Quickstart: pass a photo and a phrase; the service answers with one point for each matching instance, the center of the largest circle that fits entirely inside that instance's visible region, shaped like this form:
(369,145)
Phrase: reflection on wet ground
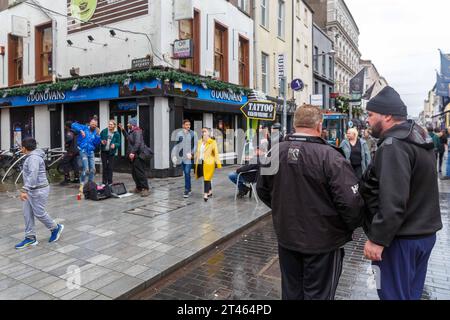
(247,268)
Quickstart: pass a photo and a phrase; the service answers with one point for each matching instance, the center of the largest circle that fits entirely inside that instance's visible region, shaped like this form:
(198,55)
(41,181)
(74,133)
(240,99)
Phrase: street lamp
(331,53)
(70,44)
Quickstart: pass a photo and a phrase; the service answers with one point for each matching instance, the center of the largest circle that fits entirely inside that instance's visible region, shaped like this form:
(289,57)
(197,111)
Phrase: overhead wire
(34,4)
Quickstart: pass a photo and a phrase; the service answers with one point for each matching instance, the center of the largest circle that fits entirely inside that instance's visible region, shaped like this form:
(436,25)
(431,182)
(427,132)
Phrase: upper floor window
(244,67)
(330,67)
(264,72)
(281,18)
(316,59)
(298,9)
(15,60)
(190,29)
(44,52)
(243,5)
(221,52)
(324,62)
(264,14)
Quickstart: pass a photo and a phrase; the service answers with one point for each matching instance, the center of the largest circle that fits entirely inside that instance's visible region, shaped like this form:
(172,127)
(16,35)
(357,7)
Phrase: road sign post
(283,86)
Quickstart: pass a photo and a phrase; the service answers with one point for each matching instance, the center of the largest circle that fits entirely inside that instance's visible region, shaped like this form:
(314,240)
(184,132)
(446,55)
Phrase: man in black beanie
(402,199)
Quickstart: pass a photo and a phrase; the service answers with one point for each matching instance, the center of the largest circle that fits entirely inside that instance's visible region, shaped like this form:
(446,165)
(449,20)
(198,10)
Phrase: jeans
(88,166)
(187,167)
(233,177)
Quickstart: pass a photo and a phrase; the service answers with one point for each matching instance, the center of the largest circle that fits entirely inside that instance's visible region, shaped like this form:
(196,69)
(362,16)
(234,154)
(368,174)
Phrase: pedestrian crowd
(383,179)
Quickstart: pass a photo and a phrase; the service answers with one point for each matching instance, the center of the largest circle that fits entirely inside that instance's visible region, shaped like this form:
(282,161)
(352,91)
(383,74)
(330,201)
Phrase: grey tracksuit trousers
(35,207)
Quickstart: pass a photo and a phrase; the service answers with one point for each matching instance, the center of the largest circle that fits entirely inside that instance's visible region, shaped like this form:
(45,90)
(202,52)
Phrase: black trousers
(309,277)
(207,184)
(139,174)
(441,158)
(107,167)
(69,162)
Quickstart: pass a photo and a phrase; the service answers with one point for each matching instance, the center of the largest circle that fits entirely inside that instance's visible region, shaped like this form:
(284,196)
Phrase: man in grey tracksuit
(34,195)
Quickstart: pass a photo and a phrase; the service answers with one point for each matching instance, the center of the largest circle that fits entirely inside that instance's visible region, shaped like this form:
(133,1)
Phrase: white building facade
(335,18)
(57,44)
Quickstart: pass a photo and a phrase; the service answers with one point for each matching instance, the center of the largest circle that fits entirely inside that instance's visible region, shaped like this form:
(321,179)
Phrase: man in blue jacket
(88,140)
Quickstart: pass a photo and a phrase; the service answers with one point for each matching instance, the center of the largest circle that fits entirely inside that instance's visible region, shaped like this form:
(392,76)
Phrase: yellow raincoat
(210,159)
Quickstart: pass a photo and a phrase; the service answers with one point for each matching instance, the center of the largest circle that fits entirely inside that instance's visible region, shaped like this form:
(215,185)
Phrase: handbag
(146,153)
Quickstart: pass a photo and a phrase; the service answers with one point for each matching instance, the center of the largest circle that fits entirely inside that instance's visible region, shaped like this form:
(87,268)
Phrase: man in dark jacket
(136,146)
(69,162)
(402,199)
(315,207)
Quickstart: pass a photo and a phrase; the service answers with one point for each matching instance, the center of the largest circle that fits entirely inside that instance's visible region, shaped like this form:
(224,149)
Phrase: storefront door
(55,128)
(122,112)
(22,124)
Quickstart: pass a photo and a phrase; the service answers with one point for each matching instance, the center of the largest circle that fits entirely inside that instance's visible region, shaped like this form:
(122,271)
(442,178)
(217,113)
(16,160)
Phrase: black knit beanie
(387,102)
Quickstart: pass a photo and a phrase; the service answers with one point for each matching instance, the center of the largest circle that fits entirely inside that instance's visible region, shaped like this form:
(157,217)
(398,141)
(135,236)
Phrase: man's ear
(319,128)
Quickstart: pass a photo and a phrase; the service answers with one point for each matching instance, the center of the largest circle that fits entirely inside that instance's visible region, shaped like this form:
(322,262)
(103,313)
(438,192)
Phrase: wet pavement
(117,247)
(246,267)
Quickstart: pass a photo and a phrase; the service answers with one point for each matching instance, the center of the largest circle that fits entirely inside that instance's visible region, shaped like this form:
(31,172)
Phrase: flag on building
(445,66)
(357,83)
(442,87)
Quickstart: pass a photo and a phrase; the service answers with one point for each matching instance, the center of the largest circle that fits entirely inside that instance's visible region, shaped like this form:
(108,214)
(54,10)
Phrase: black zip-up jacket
(249,176)
(71,144)
(400,187)
(314,195)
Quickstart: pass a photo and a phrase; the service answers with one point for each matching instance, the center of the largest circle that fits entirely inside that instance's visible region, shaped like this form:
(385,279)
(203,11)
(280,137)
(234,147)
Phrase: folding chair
(249,184)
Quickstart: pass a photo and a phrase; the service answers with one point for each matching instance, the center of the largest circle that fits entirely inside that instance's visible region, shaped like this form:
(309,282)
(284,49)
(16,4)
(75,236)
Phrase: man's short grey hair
(307,116)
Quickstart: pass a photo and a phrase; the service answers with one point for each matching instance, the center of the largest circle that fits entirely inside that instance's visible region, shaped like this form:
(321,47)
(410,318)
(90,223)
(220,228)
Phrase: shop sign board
(260,110)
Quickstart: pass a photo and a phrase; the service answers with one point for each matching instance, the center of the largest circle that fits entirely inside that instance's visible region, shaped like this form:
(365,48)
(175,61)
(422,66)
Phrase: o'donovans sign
(260,110)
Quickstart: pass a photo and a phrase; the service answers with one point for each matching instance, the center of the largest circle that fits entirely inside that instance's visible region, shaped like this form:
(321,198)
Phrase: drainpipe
(255,51)
(292,45)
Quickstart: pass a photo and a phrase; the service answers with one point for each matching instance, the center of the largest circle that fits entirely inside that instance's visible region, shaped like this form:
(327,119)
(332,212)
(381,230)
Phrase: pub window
(221,52)
(44,52)
(186,32)
(244,69)
(15,61)
(190,29)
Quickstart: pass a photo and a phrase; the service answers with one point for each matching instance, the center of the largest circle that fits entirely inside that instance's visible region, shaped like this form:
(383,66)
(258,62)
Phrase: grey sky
(402,38)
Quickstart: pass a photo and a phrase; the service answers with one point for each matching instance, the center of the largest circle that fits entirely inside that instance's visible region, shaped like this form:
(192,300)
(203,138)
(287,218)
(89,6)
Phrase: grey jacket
(365,153)
(186,143)
(34,173)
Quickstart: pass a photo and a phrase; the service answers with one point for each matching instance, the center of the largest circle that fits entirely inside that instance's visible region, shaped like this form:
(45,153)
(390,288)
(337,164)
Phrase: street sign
(297,85)
(350,124)
(316,100)
(260,110)
(183,49)
(281,63)
(146,62)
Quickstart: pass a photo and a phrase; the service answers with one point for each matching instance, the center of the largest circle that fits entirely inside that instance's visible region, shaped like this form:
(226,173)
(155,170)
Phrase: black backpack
(92,192)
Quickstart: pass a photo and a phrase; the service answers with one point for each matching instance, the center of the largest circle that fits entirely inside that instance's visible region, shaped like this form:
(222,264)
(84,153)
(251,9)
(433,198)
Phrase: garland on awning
(139,76)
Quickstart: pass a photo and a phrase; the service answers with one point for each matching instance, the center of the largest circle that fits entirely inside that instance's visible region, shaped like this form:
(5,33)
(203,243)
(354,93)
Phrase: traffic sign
(297,85)
(350,124)
(260,110)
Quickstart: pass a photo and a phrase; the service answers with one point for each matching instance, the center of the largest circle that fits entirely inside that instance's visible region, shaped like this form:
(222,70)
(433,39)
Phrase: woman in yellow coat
(206,159)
